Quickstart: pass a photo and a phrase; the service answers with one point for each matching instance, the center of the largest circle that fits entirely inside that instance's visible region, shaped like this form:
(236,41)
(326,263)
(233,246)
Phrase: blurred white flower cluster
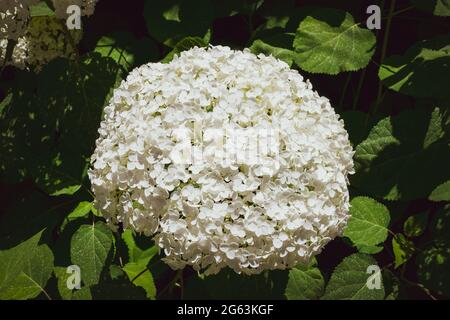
(251,214)
(44,40)
(38,39)
(14,15)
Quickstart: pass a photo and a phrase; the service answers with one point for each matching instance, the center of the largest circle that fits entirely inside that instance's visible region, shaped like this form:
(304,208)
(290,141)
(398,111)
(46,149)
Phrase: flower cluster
(44,40)
(271,213)
(14,16)
(38,39)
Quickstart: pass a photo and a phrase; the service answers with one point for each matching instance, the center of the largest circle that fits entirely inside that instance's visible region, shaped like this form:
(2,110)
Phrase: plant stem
(358,90)
(181,284)
(344,90)
(383,52)
(421,286)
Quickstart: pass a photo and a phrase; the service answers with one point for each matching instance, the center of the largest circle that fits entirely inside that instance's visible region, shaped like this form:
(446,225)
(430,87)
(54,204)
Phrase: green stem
(344,90)
(383,52)
(358,90)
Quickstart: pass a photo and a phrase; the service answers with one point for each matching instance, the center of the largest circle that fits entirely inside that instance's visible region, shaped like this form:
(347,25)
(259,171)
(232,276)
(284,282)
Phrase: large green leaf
(81,210)
(13,261)
(135,253)
(90,246)
(329,41)
(357,124)
(437,7)
(404,157)
(144,279)
(350,278)
(410,73)
(168,21)
(33,278)
(305,282)
(367,226)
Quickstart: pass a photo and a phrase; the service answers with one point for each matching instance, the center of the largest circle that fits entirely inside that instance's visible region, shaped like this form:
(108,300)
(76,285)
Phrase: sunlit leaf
(330,41)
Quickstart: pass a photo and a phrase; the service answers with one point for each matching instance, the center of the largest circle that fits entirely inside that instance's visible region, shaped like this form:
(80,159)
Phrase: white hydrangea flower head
(14,15)
(87,7)
(44,40)
(158,167)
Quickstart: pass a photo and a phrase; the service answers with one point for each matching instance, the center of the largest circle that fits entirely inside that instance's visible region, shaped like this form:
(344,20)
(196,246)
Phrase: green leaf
(141,279)
(404,157)
(14,260)
(437,7)
(369,249)
(5,102)
(350,279)
(410,73)
(391,285)
(305,282)
(358,125)
(82,209)
(68,191)
(90,246)
(279,46)
(367,226)
(415,225)
(33,278)
(169,21)
(135,253)
(116,272)
(183,45)
(441,193)
(126,50)
(329,41)
(403,249)
(41,9)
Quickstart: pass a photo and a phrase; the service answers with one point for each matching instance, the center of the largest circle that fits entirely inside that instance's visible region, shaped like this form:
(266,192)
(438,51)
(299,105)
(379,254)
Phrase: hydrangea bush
(203,149)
